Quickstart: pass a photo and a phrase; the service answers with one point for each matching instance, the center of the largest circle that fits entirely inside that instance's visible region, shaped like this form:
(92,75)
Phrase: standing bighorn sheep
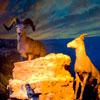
(27,47)
(84,69)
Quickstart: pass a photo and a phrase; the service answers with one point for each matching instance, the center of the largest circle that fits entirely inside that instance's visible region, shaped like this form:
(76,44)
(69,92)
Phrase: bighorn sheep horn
(82,36)
(15,20)
(28,21)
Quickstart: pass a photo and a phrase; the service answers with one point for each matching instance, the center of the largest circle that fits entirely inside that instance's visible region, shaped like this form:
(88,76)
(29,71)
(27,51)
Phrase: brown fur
(83,66)
(29,48)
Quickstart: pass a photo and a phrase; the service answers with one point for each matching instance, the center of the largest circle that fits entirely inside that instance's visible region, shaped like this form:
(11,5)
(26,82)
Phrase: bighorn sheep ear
(28,21)
(15,20)
(82,36)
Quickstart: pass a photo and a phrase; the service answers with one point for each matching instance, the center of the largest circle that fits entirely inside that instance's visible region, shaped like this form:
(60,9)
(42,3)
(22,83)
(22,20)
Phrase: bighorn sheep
(27,47)
(84,69)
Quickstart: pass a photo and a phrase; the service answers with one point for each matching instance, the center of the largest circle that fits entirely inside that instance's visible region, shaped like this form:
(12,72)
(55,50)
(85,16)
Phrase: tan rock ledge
(46,75)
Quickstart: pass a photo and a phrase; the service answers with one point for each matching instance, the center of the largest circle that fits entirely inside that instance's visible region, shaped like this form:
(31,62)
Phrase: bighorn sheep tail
(28,21)
(15,20)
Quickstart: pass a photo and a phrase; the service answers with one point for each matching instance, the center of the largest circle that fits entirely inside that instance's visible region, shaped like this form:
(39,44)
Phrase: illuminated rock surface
(46,75)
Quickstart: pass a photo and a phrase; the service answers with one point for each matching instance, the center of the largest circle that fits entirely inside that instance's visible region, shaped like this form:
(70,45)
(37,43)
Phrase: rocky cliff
(47,76)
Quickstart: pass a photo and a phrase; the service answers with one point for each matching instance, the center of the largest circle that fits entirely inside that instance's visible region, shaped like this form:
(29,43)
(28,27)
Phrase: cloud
(58,7)
(82,6)
(57,18)
(78,4)
(3,6)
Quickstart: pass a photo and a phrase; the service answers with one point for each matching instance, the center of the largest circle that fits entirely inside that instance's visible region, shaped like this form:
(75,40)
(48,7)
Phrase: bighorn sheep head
(20,25)
(77,42)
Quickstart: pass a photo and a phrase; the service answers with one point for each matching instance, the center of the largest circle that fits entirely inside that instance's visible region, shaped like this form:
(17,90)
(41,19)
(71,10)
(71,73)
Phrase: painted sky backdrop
(57,18)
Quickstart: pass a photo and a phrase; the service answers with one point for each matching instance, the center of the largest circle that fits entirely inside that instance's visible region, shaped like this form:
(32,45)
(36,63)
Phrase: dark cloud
(20,6)
(3,6)
(77,4)
(57,19)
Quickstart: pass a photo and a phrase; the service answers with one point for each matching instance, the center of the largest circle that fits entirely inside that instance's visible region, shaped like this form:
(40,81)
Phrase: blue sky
(57,18)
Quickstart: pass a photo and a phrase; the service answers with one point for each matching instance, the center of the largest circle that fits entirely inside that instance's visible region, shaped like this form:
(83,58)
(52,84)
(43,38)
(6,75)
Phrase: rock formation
(8,55)
(47,76)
